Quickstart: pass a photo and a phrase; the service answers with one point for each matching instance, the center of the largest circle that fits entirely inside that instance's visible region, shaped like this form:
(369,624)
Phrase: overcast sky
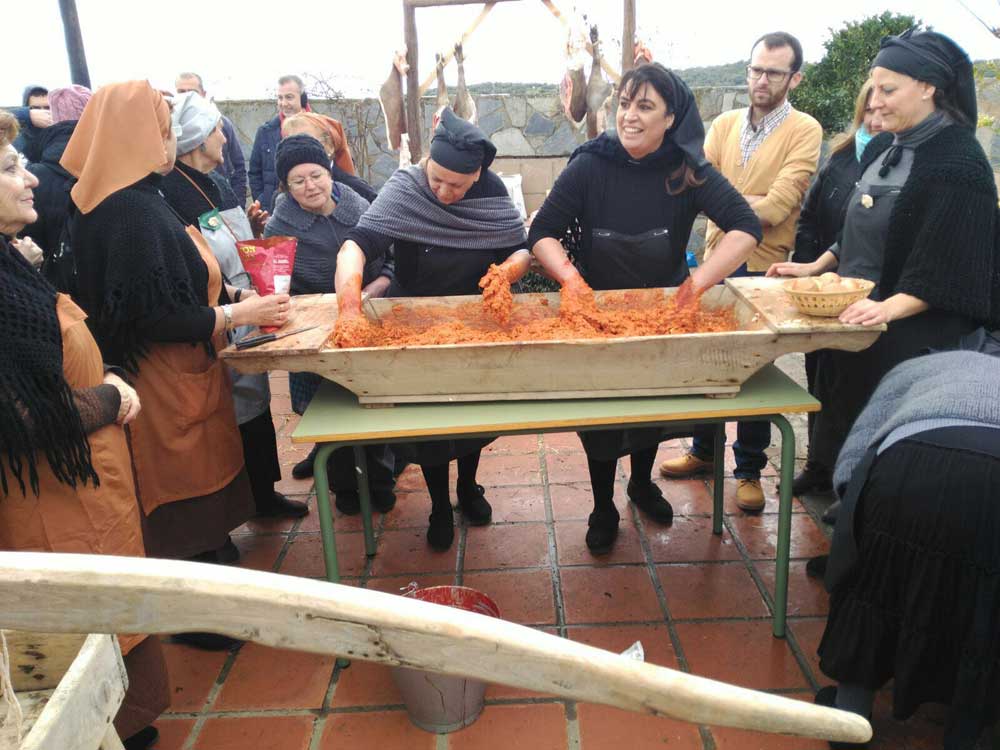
(241,50)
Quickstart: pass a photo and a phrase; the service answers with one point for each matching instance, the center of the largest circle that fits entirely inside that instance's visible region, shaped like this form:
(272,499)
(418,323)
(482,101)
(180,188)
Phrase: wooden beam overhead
(444,3)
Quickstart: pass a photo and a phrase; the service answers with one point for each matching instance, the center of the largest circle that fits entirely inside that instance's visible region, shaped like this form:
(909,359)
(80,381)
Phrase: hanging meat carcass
(573,88)
(643,54)
(390,96)
(442,100)
(465,105)
(598,90)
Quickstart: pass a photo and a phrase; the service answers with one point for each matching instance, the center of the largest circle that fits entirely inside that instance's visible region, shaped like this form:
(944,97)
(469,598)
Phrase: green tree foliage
(829,87)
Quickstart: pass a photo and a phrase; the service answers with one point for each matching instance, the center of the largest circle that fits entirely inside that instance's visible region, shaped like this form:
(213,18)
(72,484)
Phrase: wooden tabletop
(335,415)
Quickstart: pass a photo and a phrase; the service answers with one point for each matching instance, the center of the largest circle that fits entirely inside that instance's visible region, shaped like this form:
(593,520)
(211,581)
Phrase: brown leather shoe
(686,466)
(749,495)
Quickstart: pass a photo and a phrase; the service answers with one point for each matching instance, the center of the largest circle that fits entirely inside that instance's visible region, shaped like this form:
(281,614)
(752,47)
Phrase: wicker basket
(827,304)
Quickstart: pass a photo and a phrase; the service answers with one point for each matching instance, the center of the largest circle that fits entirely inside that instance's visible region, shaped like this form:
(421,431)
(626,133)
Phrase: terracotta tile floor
(695,601)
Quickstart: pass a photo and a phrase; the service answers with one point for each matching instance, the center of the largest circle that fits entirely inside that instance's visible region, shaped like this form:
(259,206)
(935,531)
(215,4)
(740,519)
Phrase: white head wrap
(197,117)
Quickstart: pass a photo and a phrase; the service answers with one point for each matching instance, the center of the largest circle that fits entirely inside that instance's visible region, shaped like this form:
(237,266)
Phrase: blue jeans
(752,437)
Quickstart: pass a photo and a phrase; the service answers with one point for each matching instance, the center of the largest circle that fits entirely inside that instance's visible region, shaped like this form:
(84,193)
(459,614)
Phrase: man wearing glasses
(769,153)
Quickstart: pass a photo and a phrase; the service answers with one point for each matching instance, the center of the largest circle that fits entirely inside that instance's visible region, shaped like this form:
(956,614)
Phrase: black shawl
(136,264)
(37,410)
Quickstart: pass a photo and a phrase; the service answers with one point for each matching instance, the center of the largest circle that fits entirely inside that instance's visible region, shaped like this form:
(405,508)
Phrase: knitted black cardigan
(942,239)
(136,264)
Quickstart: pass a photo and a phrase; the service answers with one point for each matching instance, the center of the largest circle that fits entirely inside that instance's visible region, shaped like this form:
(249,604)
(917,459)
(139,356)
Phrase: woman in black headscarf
(448,220)
(635,195)
(921,224)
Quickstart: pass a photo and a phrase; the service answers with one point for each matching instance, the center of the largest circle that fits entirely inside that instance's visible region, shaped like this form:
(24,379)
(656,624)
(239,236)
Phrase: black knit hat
(298,149)
(935,59)
(460,146)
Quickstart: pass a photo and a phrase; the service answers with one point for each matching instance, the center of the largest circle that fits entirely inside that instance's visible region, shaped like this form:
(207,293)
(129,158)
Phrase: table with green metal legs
(334,419)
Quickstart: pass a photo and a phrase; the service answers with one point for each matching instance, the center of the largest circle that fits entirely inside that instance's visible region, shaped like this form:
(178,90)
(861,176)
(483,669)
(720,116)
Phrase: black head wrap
(38,417)
(460,146)
(683,143)
(935,59)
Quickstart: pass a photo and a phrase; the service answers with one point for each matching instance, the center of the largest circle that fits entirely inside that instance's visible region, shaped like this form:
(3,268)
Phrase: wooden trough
(709,363)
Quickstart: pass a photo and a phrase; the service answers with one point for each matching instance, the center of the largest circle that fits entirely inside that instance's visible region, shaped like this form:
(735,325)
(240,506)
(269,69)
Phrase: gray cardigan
(319,240)
(958,385)
(949,387)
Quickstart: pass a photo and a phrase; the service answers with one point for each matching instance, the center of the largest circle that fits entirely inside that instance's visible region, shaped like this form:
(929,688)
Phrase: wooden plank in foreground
(93,593)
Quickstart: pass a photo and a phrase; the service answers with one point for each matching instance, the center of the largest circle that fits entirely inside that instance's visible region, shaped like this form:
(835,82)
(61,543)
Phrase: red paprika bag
(269,263)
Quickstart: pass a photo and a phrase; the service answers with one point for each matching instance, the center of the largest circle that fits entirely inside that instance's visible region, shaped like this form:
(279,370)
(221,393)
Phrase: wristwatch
(227,315)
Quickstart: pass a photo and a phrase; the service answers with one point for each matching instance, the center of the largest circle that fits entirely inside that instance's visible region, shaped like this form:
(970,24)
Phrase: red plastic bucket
(444,703)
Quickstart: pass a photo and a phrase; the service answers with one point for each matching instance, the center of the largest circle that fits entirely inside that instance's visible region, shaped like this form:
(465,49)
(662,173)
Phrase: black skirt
(922,607)
(846,380)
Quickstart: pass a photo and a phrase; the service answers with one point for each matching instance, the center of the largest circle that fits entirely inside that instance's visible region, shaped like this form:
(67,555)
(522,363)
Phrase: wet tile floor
(697,602)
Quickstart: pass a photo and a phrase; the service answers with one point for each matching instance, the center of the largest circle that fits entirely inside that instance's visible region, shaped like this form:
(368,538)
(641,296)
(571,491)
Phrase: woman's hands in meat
(272,310)
(130,406)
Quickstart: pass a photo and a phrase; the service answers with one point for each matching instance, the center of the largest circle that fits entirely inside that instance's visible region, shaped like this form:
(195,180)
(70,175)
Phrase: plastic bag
(269,263)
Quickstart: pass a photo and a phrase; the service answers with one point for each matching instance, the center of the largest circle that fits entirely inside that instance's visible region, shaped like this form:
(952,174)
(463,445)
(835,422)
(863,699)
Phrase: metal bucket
(444,703)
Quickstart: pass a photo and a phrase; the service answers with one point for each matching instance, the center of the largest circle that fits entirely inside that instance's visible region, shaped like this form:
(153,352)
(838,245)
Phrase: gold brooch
(867,201)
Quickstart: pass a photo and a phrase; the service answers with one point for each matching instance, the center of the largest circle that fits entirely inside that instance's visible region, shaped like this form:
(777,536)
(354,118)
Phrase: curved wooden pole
(450,54)
(94,593)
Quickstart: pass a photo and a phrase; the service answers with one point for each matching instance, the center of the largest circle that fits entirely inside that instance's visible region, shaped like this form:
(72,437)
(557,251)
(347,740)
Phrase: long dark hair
(662,81)
(946,101)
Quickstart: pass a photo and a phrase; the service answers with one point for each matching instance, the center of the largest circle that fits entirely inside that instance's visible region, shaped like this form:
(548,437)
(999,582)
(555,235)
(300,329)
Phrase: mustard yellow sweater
(780,170)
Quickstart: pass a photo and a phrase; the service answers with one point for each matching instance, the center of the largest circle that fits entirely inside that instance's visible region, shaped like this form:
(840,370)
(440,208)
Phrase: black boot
(816,567)
(649,499)
(281,507)
(813,479)
(475,509)
(206,641)
(304,468)
(441,529)
(349,502)
(142,740)
(827,696)
(602,531)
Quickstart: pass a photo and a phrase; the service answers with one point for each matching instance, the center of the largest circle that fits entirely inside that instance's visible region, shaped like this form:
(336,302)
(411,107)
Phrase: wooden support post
(628,36)
(74,43)
(414,113)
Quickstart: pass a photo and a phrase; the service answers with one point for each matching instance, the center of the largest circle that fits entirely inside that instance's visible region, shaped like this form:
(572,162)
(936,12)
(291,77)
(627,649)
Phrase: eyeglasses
(39,106)
(773,76)
(300,182)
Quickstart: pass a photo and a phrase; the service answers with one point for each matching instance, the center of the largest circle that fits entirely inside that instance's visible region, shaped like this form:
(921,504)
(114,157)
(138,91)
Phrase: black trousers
(260,453)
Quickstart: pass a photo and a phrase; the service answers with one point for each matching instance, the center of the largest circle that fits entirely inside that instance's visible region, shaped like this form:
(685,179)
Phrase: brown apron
(185,442)
(86,519)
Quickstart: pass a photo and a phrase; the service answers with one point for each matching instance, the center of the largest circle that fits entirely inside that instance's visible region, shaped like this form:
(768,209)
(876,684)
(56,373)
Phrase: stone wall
(524,129)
